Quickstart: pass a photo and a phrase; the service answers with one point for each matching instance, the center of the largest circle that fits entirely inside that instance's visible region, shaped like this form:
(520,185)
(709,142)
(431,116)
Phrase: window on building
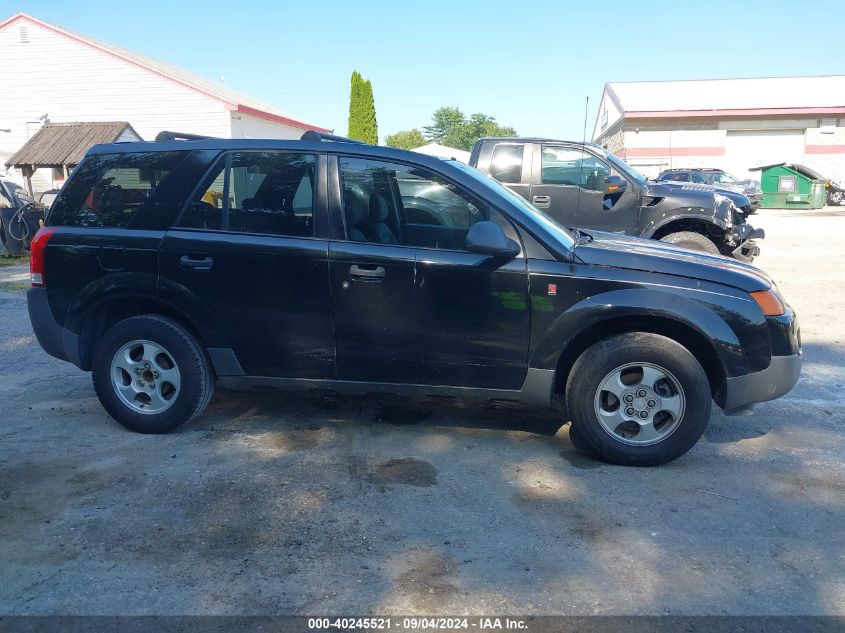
(269,193)
(827,126)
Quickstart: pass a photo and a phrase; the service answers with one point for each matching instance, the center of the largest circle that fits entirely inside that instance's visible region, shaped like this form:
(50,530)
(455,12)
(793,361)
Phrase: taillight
(36,255)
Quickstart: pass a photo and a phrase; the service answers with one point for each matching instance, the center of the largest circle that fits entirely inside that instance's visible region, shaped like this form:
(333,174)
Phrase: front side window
(575,167)
(268,193)
(109,190)
(390,203)
(506,162)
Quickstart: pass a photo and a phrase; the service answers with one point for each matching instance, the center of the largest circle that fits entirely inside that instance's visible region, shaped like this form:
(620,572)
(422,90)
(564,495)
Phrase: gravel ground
(276,503)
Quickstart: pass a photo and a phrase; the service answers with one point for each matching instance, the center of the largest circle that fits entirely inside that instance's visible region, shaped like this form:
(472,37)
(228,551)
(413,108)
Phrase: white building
(48,72)
(733,124)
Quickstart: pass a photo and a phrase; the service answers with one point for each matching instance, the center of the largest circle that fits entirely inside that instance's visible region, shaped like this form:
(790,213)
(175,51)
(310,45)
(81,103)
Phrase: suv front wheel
(638,399)
(151,375)
(692,241)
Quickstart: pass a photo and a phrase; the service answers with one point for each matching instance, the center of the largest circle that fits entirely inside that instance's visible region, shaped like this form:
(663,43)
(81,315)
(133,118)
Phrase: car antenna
(581,168)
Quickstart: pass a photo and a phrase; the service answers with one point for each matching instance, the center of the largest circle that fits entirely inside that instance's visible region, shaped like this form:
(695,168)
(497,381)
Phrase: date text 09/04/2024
(418,623)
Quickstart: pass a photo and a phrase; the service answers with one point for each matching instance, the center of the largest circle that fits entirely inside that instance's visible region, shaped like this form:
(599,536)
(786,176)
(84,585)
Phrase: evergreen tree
(362,110)
(355,115)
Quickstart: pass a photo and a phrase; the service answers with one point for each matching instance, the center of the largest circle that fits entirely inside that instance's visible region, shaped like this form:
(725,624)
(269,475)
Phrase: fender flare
(640,302)
(134,286)
(706,216)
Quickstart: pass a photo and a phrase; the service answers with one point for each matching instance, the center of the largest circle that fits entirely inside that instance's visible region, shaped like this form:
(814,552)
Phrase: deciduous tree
(406,139)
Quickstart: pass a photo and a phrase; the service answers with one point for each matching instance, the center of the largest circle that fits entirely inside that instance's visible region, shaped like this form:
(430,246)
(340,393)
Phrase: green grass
(13,261)
(13,287)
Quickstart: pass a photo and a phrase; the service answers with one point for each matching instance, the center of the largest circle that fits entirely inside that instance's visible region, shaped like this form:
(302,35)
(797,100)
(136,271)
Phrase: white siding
(245,126)
(607,115)
(70,81)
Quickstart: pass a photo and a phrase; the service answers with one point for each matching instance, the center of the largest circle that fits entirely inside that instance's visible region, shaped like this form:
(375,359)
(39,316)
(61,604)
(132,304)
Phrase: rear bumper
(773,382)
(53,338)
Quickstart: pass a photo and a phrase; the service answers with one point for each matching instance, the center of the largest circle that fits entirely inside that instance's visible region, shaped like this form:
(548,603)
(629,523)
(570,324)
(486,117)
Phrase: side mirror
(614,184)
(488,238)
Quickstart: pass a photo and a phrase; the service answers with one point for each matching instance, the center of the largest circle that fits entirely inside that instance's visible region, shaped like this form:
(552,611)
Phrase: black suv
(167,267)
(722,181)
(584,185)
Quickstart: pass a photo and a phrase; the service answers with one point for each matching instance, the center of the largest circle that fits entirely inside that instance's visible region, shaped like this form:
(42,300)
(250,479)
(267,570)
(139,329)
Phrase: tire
(677,403)
(578,441)
(145,350)
(692,241)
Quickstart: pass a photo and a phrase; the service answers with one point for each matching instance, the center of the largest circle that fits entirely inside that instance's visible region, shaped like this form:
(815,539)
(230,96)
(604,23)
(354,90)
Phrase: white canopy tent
(435,149)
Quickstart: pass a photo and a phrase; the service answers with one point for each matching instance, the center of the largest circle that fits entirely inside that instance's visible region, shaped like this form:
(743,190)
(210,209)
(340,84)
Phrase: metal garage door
(753,148)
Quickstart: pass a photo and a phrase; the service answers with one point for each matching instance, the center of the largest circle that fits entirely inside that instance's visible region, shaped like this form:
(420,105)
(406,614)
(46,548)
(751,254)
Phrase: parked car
(12,199)
(168,267)
(722,181)
(47,197)
(583,185)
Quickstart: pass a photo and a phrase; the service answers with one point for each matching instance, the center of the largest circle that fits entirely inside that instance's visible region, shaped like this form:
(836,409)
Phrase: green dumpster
(789,185)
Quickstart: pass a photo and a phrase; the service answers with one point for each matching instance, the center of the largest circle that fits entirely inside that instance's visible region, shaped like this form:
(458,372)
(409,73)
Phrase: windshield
(724,177)
(565,235)
(624,167)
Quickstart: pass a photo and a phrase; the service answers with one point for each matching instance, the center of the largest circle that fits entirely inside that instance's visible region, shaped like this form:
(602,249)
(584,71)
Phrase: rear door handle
(196,262)
(541,202)
(366,274)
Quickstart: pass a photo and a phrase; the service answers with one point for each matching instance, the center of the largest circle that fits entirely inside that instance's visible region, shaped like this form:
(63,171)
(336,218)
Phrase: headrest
(378,208)
(356,212)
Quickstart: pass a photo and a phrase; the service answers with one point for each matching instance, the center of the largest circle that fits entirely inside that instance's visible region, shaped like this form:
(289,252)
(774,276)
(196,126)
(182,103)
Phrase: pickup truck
(583,185)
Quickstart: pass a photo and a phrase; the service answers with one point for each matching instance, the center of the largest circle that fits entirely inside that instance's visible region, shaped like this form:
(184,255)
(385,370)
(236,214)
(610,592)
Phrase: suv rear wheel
(151,375)
(638,399)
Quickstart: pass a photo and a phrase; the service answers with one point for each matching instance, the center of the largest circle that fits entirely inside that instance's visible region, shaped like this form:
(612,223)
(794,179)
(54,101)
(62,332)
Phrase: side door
(411,304)
(571,183)
(250,253)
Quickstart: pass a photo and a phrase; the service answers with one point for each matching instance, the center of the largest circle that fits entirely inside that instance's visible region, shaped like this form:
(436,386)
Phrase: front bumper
(773,382)
(744,238)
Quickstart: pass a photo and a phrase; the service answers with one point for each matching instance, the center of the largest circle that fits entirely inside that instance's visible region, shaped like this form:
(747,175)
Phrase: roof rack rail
(180,136)
(313,135)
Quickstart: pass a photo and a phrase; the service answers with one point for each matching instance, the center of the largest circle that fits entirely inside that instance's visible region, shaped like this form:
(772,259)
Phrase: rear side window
(269,193)
(110,190)
(506,163)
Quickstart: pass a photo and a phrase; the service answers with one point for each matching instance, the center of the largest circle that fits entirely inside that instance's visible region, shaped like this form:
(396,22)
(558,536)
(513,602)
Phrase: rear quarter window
(111,190)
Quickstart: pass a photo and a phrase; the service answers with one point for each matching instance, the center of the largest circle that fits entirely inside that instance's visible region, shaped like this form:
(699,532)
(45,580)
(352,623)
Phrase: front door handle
(366,274)
(541,202)
(196,262)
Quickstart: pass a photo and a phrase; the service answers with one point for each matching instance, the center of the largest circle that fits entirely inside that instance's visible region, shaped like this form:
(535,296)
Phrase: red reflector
(36,255)
(552,290)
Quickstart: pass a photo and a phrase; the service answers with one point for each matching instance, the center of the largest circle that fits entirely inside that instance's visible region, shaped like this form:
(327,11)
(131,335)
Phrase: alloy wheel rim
(640,404)
(145,377)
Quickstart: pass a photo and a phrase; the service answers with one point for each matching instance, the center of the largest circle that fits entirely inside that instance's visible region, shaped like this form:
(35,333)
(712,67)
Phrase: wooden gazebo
(62,145)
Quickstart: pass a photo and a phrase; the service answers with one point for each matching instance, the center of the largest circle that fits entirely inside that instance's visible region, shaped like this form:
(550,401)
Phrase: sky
(530,64)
